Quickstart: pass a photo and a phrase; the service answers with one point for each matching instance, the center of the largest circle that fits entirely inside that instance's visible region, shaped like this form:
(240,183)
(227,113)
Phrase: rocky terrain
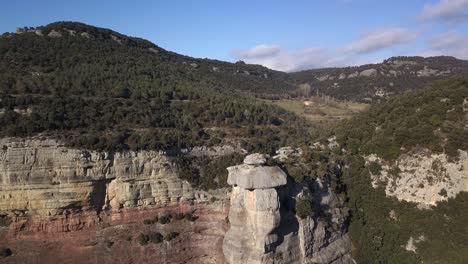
(376,82)
(62,204)
(264,228)
(424,178)
(66,203)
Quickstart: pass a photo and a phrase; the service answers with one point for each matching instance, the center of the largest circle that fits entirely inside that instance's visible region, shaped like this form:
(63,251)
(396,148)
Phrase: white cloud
(447,39)
(448,43)
(287,60)
(447,10)
(278,58)
(380,39)
(258,52)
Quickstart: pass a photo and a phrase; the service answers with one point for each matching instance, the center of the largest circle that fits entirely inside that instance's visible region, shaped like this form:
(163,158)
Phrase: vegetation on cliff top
(381,226)
(104,90)
(433,118)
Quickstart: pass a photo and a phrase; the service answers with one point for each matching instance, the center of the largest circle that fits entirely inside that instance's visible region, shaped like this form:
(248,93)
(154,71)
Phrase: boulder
(256,177)
(255,159)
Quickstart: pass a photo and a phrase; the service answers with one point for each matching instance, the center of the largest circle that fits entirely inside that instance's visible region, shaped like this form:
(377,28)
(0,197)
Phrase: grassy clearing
(319,109)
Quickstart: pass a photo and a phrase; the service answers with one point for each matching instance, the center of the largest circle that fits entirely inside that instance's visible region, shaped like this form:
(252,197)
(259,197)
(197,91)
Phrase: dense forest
(432,118)
(98,89)
(380,81)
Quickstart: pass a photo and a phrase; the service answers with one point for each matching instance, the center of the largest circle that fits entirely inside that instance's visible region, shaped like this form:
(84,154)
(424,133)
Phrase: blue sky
(284,35)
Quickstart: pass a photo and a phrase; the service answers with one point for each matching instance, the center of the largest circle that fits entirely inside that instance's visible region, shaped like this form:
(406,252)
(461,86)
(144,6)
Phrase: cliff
(263,224)
(65,204)
(70,205)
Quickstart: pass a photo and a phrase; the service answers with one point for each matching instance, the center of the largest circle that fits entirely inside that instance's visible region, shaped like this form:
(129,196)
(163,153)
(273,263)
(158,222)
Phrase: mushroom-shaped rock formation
(254,212)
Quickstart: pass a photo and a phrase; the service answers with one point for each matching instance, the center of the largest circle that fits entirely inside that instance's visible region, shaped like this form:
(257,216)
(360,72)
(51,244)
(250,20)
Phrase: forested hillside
(383,229)
(99,89)
(378,82)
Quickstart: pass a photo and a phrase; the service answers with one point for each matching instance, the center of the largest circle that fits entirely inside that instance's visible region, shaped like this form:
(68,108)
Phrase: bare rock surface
(264,228)
(424,178)
(255,159)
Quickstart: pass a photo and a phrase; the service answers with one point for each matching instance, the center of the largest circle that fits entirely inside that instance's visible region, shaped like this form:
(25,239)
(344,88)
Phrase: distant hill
(405,176)
(374,82)
(99,89)
(75,37)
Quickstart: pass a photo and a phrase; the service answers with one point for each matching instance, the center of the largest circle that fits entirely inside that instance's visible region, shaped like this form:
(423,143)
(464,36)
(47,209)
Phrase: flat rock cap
(256,177)
(255,159)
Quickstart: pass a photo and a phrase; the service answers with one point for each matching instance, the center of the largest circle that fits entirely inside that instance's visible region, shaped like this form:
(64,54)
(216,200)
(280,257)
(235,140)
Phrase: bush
(170,236)
(165,219)
(154,238)
(190,217)
(303,207)
(5,252)
(375,168)
(5,220)
(151,221)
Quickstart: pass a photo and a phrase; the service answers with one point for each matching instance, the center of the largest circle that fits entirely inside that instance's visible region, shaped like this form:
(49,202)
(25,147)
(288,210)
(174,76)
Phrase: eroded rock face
(42,177)
(265,229)
(254,212)
(77,206)
(424,178)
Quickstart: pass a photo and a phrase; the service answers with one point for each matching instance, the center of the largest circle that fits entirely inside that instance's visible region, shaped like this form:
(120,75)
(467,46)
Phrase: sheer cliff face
(263,225)
(41,177)
(78,206)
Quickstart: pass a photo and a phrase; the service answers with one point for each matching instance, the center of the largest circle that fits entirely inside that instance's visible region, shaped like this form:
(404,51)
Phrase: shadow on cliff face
(288,224)
(97,198)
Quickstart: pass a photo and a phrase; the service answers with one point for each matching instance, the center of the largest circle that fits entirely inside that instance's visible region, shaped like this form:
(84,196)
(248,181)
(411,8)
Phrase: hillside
(406,176)
(375,82)
(96,88)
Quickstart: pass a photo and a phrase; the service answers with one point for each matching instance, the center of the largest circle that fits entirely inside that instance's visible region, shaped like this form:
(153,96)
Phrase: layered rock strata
(264,227)
(78,206)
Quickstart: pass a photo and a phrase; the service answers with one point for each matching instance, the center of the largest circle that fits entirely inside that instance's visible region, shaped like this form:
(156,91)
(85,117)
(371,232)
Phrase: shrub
(375,168)
(151,221)
(179,216)
(190,217)
(5,252)
(170,236)
(165,219)
(5,220)
(303,207)
(154,238)
(443,192)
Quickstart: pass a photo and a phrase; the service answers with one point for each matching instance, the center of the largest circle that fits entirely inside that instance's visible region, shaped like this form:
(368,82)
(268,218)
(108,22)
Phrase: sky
(283,35)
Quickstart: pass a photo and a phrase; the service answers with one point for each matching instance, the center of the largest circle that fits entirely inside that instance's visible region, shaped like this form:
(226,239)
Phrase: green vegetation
(170,236)
(392,75)
(154,237)
(166,218)
(432,118)
(303,207)
(5,220)
(5,252)
(207,173)
(98,93)
(320,110)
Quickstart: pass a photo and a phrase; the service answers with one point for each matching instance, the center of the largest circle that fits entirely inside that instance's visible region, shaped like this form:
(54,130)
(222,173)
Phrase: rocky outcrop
(66,205)
(254,212)
(45,178)
(424,178)
(264,227)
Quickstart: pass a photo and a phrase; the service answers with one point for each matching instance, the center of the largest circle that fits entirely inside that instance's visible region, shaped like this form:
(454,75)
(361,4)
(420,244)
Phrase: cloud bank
(364,48)
(453,11)
(380,39)
(278,58)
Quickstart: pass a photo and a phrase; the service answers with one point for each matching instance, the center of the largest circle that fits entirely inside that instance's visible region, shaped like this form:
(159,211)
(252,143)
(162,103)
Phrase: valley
(115,150)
